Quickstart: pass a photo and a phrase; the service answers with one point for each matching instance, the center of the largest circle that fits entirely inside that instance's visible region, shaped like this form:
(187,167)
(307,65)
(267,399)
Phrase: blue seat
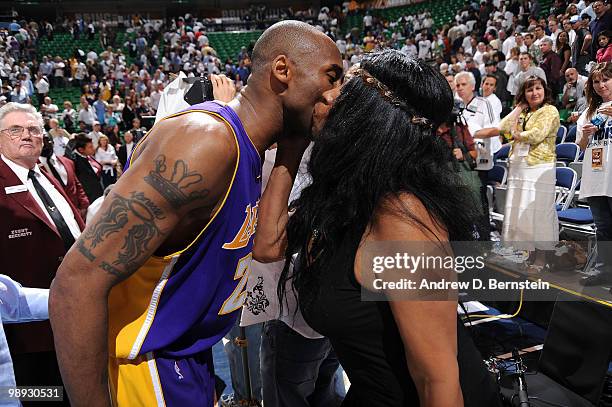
(565,187)
(571,135)
(561,133)
(580,216)
(566,177)
(502,153)
(567,152)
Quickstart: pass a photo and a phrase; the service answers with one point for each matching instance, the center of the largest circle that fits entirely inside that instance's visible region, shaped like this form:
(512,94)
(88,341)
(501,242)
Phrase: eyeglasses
(15,132)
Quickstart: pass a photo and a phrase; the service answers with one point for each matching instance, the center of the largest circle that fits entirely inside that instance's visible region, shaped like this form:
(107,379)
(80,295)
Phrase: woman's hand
(223,88)
(607,110)
(588,130)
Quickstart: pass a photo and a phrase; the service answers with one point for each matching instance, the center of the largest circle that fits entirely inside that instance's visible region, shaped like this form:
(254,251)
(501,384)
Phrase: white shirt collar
(20,171)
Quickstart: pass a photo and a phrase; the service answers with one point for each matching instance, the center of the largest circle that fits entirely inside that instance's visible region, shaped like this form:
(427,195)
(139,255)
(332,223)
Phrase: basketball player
(157,277)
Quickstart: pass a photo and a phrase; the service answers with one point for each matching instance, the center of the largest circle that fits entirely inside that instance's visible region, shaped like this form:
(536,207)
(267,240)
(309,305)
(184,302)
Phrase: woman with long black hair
(379,174)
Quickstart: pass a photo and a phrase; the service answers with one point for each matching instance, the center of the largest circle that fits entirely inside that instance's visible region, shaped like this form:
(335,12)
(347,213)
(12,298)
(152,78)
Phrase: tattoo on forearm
(85,251)
(144,214)
(173,186)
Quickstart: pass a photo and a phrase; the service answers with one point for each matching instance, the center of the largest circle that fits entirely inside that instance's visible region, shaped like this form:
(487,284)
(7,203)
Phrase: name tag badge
(15,189)
(522,149)
(597,159)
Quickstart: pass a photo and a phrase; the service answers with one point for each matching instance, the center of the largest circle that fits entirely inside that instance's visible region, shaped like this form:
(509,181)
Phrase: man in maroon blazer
(62,169)
(38,224)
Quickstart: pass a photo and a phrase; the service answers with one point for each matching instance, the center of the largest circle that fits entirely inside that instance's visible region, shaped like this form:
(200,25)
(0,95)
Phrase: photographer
(463,154)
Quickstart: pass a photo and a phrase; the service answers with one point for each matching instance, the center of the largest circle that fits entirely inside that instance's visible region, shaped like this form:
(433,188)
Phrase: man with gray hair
(484,127)
(35,213)
(551,65)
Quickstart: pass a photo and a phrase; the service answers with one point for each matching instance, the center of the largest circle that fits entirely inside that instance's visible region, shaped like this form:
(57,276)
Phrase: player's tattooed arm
(140,216)
(178,185)
(185,171)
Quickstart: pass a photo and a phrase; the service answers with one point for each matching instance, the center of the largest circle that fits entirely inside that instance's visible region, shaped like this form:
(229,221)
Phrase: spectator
(42,87)
(58,72)
(480,119)
(63,171)
(604,53)
(137,130)
(95,134)
(530,216)
(581,47)
(86,113)
(564,51)
(19,94)
(526,69)
(48,109)
(409,48)
(574,91)
(501,80)
(69,116)
(489,85)
(602,22)
(105,155)
(99,107)
(43,210)
(125,151)
(598,192)
(88,170)
(60,137)
(551,65)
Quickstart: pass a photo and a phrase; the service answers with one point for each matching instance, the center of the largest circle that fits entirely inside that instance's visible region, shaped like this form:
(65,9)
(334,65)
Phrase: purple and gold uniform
(165,318)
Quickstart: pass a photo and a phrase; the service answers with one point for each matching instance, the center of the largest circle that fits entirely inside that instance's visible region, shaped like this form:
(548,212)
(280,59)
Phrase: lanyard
(526,119)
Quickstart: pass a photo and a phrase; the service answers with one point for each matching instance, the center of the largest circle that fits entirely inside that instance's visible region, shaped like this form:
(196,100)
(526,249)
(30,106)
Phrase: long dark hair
(369,149)
(602,70)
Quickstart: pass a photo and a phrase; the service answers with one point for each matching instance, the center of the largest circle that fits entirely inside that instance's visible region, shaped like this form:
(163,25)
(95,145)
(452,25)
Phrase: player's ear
(281,69)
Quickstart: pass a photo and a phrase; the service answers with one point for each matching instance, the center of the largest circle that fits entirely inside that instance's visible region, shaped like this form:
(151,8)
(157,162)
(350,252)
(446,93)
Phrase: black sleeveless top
(370,349)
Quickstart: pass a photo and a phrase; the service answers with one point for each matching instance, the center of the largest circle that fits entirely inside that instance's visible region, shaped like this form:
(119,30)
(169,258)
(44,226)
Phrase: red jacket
(73,188)
(31,250)
(604,54)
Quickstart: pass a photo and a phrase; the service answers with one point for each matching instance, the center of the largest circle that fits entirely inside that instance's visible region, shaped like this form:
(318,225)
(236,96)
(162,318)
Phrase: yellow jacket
(540,132)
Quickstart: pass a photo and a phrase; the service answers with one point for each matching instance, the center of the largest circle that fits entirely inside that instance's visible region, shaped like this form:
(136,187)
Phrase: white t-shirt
(424,48)
(479,115)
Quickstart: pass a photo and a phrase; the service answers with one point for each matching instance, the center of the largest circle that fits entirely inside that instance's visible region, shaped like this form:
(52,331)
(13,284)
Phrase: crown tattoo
(173,187)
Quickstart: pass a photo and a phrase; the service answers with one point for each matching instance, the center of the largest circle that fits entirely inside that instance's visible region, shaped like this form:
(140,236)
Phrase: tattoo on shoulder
(144,214)
(172,184)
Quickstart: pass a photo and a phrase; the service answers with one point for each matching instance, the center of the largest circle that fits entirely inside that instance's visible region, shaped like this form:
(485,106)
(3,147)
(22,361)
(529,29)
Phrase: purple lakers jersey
(183,303)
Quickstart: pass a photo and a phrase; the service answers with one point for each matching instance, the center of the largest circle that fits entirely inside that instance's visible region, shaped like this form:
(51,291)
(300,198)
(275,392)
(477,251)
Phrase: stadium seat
(570,137)
(567,180)
(567,152)
(561,133)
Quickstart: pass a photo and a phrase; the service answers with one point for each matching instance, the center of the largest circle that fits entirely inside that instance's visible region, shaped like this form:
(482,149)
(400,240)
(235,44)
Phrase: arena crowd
(518,73)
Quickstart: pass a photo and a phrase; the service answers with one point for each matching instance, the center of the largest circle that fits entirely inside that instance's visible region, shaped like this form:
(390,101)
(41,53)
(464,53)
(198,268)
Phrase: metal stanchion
(242,342)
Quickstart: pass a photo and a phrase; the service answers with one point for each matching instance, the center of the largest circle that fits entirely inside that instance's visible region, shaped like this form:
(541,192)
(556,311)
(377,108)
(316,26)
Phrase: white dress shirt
(59,167)
(62,205)
(129,147)
(17,304)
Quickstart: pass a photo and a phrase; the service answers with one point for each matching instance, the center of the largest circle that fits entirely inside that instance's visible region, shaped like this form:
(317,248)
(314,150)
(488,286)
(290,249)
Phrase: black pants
(601,207)
(484,226)
(38,369)
(297,371)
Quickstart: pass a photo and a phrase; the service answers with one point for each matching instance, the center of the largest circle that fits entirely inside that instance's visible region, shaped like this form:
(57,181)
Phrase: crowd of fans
(499,43)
